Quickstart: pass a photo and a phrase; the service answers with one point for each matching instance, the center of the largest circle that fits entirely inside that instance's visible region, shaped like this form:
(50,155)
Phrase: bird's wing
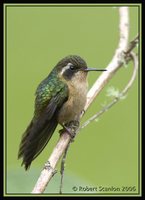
(49,98)
(50,95)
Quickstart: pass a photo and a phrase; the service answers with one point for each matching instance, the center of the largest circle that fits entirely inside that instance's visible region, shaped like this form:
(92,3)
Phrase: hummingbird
(60,99)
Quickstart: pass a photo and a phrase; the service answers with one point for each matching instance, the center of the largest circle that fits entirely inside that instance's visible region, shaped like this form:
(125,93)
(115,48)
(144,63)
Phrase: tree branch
(113,66)
(117,60)
(120,95)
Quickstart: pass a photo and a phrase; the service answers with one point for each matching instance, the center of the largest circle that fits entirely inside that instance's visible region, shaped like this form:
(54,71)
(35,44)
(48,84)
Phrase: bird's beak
(92,69)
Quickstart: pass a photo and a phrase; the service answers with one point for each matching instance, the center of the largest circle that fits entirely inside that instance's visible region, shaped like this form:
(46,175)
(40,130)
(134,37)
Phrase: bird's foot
(70,128)
(68,131)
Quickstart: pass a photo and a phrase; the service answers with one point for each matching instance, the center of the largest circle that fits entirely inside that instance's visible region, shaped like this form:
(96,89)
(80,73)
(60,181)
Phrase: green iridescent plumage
(49,88)
(50,95)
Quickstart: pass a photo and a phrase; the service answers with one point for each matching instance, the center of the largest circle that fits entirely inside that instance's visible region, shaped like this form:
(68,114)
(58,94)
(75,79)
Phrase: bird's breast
(73,107)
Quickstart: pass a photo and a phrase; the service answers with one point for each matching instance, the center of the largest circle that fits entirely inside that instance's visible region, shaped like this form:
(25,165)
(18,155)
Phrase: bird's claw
(70,128)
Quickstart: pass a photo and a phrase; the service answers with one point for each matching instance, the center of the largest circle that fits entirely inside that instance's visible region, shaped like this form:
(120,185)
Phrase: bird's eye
(72,67)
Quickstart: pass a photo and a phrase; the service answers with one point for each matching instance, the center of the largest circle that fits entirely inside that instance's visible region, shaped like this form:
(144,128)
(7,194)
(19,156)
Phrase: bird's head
(74,66)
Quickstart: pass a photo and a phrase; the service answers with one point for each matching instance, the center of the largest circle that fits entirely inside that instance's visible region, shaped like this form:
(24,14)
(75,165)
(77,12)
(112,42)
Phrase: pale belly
(73,107)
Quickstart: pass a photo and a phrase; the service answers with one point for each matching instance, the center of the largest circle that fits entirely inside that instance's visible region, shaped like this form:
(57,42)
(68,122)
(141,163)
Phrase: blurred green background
(105,153)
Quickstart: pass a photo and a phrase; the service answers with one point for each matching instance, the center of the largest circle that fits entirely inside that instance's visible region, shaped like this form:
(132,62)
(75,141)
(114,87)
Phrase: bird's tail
(34,141)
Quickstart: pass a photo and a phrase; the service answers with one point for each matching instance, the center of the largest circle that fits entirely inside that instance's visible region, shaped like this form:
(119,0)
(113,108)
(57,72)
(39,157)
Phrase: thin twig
(132,44)
(62,168)
(114,65)
(119,96)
